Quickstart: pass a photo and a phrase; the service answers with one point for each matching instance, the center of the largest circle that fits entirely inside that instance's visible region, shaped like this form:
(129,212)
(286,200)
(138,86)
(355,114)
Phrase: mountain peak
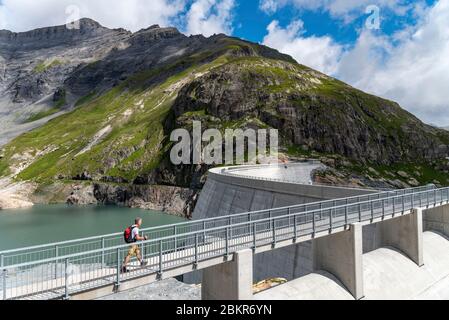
(89,23)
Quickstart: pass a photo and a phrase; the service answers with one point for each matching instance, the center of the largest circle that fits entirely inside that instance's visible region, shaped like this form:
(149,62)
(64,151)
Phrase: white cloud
(320,53)
(22,15)
(193,16)
(410,66)
(414,71)
(210,17)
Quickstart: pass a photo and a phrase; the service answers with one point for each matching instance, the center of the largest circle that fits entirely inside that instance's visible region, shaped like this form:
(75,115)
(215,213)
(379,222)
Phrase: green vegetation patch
(47,65)
(118,134)
(42,114)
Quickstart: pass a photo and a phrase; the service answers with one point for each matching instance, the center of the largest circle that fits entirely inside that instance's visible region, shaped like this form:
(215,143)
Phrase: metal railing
(60,277)
(64,248)
(236,172)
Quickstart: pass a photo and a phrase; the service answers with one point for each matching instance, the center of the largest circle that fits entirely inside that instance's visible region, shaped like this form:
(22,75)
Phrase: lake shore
(15,195)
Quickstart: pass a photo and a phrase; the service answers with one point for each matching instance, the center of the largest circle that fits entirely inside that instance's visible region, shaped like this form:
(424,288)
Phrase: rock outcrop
(126,92)
(174,200)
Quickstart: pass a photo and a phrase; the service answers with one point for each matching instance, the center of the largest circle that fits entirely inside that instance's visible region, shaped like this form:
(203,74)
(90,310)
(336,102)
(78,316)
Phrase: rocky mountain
(102,104)
(34,66)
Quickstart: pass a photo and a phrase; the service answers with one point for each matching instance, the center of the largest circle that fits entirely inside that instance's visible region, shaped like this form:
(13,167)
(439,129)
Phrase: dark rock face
(234,84)
(35,64)
(178,201)
(91,59)
(353,124)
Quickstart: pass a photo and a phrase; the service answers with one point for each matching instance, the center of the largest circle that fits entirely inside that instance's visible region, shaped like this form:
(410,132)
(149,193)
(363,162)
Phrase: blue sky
(404,59)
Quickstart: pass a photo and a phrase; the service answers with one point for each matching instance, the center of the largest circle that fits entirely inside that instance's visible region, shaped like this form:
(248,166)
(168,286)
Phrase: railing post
(321,210)
(117,281)
(254,237)
(360,212)
(142,250)
(196,250)
(372,210)
(102,250)
(331,220)
(5,275)
(295,226)
(346,216)
(413,200)
(161,257)
(204,231)
(2,261)
(403,204)
(314,224)
(394,207)
(273,222)
(175,233)
(383,209)
(66,275)
(227,242)
(56,261)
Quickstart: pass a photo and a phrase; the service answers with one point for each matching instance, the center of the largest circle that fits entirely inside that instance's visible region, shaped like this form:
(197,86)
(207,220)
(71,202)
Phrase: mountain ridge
(121,101)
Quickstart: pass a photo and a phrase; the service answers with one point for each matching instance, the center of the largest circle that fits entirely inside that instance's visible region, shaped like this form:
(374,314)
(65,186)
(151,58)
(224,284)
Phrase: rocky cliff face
(34,66)
(115,97)
(174,200)
(312,111)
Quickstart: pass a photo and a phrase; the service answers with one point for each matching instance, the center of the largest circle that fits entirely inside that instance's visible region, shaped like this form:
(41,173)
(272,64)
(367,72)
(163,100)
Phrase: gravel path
(169,289)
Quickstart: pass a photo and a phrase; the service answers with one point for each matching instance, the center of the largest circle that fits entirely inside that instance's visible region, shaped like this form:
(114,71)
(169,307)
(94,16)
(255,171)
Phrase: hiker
(132,236)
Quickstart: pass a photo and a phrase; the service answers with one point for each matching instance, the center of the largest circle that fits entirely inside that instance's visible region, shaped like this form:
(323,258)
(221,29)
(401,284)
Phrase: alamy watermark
(373,21)
(73,13)
(236,147)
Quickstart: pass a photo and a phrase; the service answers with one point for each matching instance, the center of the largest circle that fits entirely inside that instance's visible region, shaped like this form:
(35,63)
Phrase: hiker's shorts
(134,251)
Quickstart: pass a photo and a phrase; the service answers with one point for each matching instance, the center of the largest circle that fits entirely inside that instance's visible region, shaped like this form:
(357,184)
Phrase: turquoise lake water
(52,223)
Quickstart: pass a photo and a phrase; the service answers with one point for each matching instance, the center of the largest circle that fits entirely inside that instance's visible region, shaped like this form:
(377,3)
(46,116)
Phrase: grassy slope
(135,142)
(136,113)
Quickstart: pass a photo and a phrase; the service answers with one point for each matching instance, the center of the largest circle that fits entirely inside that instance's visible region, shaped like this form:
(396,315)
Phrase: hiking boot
(144,263)
(124,270)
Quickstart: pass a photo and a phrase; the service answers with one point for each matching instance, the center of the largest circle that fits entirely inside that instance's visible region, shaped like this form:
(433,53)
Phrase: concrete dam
(257,222)
(390,274)
(236,190)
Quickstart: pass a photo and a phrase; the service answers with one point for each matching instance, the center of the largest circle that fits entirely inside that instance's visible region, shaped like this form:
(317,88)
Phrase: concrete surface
(437,219)
(387,273)
(301,173)
(405,233)
(319,285)
(241,189)
(341,255)
(230,281)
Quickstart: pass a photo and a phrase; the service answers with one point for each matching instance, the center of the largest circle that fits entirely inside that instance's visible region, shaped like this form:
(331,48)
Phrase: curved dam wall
(250,188)
(388,275)
(244,189)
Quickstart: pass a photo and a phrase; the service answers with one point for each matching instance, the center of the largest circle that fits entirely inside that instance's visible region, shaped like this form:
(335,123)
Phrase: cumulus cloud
(22,15)
(210,17)
(320,53)
(192,16)
(409,66)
